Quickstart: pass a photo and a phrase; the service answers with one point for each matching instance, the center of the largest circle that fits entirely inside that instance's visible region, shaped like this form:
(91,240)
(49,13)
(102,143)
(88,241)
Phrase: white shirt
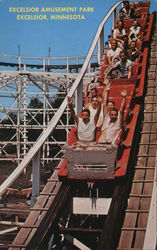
(106,121)
(116,33)
(134,32)
(93,113)
(126,13)
(112,53)
(112,130)
(124,66)
(86,131)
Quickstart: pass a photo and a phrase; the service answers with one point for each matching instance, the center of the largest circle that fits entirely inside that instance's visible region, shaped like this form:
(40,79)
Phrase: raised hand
(75,117)
(123,93)
(88,82)
(106,80)
(108,86)
(99,98)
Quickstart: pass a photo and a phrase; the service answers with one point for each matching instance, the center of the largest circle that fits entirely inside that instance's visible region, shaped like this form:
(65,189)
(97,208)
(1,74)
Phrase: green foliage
(35,103)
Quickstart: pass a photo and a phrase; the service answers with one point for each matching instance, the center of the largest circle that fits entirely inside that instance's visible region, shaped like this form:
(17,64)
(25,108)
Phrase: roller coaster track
(135,224)
(124,226)
(36,148)
(136,191)
(134,231)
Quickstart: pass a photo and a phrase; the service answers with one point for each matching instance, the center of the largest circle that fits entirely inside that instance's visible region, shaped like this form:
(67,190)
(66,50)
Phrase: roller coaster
(99,197)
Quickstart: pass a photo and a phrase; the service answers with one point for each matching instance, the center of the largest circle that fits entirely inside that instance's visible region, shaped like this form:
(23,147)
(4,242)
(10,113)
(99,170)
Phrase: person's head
(121,17)
(94,102)
(110,105)
(125,39)
(126,4)
(116,59)
(94,92)
(113,115)
(114,44)
(133,5)
(123,56)
(120,25)
(126,42)
(135,23)
(85,115)
(133,45)
(138,13)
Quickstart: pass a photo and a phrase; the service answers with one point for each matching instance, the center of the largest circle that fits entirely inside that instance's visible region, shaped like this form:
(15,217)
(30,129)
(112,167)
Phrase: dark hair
(114,40)
(94,97)
(123,52)
(113,102)
(133,41)
(120,21)
(94,88)
(86,110)
(115,110)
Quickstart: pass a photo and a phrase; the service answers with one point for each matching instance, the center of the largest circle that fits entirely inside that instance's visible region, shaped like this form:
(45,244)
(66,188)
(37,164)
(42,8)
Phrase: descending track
(135,223)
(52,221)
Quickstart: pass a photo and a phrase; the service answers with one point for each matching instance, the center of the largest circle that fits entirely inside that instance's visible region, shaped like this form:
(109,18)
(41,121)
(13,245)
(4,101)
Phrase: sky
(64,38)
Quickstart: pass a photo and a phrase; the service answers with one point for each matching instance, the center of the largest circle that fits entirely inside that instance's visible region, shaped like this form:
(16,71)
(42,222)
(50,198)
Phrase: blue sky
(35,37)
(65,38)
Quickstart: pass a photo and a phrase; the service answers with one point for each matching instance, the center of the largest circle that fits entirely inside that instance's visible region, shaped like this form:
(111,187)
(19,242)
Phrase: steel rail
(39,66)
(34,150)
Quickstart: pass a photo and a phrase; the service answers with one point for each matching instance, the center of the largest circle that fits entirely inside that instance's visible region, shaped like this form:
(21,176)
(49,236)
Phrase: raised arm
(122,108)
(129,72)
(109,58)
(86,92)
(118,38)
(96,117)
(72,111)
(113,67)
(105,96)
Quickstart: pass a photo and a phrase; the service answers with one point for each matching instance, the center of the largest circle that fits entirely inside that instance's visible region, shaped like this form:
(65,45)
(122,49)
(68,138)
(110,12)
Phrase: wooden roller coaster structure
(80,211)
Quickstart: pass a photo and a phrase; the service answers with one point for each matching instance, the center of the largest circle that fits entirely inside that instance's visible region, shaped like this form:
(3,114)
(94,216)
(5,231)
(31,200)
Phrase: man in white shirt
(135,32)
(127,12)
(86,126)
(93,92)
(118,34)
(92,106)
(114,51)
(124,66)
(113,125)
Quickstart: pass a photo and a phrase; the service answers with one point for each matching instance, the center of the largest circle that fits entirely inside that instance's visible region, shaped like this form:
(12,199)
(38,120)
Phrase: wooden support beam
(76,242)
(36,178)
(9,230)
(66,230)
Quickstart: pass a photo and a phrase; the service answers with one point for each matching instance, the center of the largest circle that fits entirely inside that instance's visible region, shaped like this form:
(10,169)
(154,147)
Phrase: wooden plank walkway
(135,222)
